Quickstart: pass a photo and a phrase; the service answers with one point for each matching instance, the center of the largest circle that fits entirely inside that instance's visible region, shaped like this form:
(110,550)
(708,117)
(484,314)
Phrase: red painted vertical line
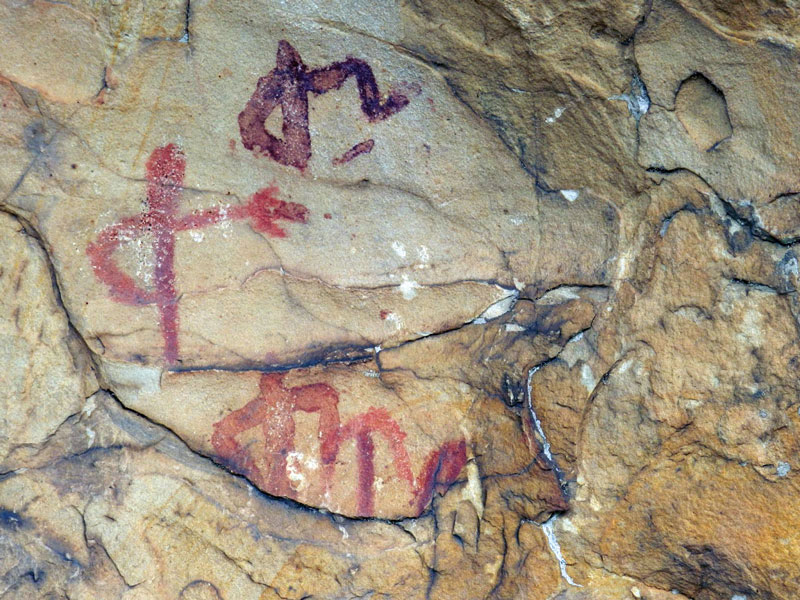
(164,171)
(366,473)
(324,400)
(165,292)
(380,421)
(278,429)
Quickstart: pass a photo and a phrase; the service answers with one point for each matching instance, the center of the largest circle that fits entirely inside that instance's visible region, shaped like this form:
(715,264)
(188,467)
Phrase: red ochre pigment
(364,147)
(273,409)
(288,86)
(164,171)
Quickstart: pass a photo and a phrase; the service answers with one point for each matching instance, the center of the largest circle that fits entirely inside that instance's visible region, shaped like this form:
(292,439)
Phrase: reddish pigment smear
(164,171)
(288,85)
(385,313)
(364,147)
(440,470)
(273,411)
(361,428)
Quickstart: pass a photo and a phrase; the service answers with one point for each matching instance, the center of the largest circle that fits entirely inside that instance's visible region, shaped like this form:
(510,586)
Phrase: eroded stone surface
(45,374)
(399,300)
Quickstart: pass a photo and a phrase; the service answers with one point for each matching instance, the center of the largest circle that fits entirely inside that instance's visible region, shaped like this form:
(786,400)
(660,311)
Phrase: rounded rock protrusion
(703,111)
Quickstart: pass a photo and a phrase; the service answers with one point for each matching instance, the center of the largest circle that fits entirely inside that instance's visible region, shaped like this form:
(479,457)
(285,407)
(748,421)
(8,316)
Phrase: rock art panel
(348,437)
(490,300)
(383,245)
(273,411)
(333,438)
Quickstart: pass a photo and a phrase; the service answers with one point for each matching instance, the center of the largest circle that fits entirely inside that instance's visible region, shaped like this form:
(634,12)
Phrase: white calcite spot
(587,377)
(570,195)
(399,249)
(294,460)
(134,378)
(537,423)
(576,349)
(90,435)
(225,224)
(145,259)
(395,320)
(556,115)
(568,525)
(409,288)
(622,267)
(638,100)
(89,406)
(751,328)
(558,296)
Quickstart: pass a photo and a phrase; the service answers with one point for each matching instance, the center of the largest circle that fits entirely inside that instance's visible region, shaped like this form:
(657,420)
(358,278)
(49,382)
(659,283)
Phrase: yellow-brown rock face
(399,299)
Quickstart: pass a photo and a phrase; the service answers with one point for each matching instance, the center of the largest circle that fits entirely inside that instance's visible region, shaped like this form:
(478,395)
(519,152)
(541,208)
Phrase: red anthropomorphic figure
(273,411)
(164,171)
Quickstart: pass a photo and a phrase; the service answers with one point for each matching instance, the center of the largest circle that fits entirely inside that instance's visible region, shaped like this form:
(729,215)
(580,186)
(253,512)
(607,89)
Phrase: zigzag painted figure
(273,411)
(288,85)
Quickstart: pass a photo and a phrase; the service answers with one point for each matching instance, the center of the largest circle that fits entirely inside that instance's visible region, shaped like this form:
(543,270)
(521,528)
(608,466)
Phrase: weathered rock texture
(399,299)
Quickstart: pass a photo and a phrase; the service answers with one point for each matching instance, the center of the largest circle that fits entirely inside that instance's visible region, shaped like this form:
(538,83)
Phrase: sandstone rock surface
(399,299)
